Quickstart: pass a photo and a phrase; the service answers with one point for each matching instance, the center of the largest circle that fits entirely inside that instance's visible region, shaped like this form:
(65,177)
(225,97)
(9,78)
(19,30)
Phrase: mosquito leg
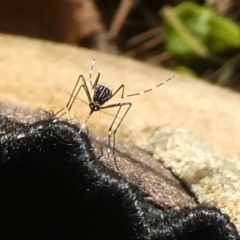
(119,105)
(148,90)
(91,70)
(93,85)
(96,81)
(129,105)
(110,132)
(85,87)
(122,87)
(71,100)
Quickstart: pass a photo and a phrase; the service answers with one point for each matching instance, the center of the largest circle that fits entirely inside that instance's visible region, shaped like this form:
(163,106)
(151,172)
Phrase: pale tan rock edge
(38,74)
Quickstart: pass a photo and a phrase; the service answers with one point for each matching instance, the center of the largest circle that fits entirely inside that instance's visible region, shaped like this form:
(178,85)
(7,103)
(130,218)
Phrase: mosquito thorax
(102,94)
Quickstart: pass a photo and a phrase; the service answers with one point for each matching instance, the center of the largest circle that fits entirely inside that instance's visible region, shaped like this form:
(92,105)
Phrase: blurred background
(198,38)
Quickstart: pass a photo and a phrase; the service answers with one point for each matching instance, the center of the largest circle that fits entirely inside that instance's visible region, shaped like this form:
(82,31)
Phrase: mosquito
(101,94)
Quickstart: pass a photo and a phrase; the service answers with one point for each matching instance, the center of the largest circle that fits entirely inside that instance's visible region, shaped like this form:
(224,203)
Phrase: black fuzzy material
(53,187)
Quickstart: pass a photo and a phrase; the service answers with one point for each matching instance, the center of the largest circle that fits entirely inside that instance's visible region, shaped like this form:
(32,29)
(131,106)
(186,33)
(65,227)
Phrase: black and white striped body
(102,94)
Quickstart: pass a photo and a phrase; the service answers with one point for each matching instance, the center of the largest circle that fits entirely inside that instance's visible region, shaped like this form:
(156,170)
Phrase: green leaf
(196,30)
(185,70)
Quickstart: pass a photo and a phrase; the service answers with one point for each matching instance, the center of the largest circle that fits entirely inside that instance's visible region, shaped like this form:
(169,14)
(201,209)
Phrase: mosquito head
(94,106)
(102,94)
